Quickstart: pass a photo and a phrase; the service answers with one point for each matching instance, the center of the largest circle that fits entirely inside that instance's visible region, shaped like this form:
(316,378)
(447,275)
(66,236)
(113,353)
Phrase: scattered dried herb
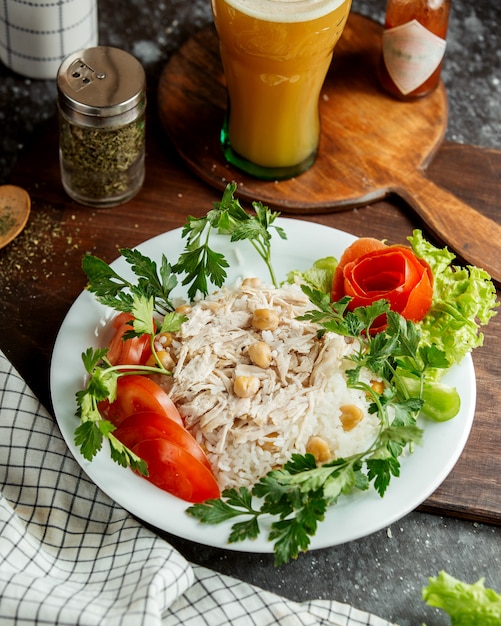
(27,257)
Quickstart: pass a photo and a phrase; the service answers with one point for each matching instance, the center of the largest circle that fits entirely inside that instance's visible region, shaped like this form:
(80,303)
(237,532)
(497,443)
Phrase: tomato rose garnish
(370,270)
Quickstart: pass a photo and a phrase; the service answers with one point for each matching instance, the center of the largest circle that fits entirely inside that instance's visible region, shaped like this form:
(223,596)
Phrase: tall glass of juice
(275,56)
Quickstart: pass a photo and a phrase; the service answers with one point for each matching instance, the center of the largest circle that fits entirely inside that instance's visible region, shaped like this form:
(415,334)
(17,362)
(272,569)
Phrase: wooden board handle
(475,238)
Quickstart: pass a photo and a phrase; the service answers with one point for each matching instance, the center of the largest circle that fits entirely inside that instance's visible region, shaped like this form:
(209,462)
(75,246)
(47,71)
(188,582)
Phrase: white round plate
(355,516)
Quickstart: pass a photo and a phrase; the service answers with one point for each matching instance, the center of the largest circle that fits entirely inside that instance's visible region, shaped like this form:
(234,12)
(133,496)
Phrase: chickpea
(183,309)
(265,319)
(164,339)
(269,444)
(253,282)
(165,358)
(260,354)
(319,448)
(377,386)
(350,416)
(246,386)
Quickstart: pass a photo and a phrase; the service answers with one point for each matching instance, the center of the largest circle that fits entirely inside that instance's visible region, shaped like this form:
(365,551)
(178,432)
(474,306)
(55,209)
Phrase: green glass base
(258,171)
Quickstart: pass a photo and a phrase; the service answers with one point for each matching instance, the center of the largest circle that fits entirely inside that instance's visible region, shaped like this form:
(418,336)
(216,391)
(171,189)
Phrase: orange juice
(275,55)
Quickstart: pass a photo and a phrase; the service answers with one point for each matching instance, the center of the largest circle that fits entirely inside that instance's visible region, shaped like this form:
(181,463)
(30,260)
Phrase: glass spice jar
(413,46)
(102,101)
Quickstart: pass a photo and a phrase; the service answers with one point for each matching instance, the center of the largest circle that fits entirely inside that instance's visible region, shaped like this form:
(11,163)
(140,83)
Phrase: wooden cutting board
(368,139)
(371,144)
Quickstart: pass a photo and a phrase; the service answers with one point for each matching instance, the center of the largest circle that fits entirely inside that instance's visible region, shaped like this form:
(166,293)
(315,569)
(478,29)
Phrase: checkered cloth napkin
(70,556)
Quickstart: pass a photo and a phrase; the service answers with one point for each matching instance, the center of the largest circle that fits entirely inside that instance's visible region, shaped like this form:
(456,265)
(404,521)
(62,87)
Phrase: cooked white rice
(299,395)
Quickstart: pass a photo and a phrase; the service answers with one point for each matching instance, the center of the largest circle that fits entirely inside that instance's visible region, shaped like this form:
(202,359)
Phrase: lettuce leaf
(319,275)
(467,605)
(464,299)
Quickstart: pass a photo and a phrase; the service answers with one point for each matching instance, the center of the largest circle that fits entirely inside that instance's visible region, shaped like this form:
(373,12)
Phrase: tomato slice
(149,425)
(175,470)
(135,351)
(137,393)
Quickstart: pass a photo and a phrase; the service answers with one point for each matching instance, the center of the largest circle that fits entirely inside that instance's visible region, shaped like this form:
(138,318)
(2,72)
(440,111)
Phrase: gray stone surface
(382,573)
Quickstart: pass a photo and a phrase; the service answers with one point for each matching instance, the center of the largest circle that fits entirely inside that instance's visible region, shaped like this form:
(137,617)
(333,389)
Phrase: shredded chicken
(294,398)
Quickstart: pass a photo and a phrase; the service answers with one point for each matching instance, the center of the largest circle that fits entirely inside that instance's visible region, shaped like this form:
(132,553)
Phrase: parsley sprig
(148,302)
(92,431)
(102,385)
(148,298)
(199,262)
(153,282)
(298,495)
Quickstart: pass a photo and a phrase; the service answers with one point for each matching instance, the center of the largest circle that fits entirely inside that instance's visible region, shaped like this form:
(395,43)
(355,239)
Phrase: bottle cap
(101,83)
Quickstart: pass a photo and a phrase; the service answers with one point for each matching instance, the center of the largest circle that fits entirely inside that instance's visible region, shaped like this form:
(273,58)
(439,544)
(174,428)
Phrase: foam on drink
(285,10)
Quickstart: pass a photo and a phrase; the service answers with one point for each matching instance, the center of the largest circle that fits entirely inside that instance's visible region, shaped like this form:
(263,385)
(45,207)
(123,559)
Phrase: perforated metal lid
(100,82)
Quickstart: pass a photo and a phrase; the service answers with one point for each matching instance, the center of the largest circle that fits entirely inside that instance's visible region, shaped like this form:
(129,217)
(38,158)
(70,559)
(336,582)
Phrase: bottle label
(411,54)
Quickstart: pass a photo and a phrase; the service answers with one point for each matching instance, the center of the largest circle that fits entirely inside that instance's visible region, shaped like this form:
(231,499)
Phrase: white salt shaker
(36,36)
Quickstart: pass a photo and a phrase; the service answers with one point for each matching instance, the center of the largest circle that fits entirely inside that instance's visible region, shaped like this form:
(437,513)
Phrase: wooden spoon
(15,206)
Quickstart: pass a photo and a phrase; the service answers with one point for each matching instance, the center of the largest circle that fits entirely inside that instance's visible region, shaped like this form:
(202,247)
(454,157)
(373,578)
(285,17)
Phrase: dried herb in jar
(102,126)
(102,163)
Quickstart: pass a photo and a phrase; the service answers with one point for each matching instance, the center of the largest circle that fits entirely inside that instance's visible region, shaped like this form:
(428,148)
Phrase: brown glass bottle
(413,47)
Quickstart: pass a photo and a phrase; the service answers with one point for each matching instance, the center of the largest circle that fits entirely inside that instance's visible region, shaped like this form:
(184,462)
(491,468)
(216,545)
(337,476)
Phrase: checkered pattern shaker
(36,35)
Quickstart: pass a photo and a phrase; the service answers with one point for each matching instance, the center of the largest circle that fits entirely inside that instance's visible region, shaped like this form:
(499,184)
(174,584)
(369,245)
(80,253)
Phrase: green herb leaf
(125,457)
(381,471)
(142,310)
(102,385)
(121,294)
(201,264)
(237,502)
(240,531)
(108,287)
